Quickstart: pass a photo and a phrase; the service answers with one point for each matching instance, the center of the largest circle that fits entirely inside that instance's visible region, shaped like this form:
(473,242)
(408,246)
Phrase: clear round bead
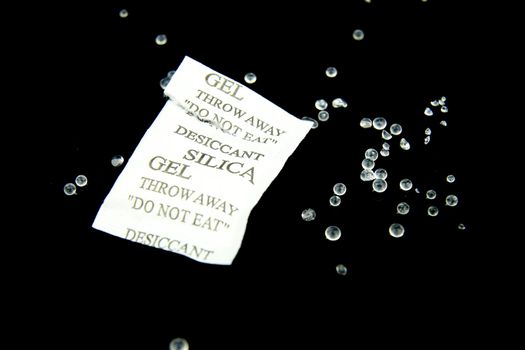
(380,173)
(403,208)
(323,116)
(123,13)
(367,175)
(431,194)
(451,200)
(396,129)
(250,78)
(321,104)
(161,39)
(179,344)
(335,201)
(358,34)
(396,230)
(368,163)
(405,184)
(379,123)
(432,210)
(331,72)
(339,189)
(332,233)
(81,180)
(371,154)
(117,161)
(379,185)
(70,189)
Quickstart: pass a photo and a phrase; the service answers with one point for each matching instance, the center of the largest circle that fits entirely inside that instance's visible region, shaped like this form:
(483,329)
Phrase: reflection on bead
(117,161)
(81,180)
(161,39)
(250,78)
(70,189)
(332,233)
(331,72)
(396,230)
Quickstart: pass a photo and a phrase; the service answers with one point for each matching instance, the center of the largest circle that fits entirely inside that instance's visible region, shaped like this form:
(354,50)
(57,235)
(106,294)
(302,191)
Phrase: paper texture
(201,167)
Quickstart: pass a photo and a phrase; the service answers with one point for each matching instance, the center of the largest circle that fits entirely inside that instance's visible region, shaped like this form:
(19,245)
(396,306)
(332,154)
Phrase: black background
(93,290)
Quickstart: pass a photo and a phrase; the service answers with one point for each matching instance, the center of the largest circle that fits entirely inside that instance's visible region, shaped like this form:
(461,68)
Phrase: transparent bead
(179,344)
(384,152)
(428,111)
(161,39)
(431,194)
(451,178)
(416,190)
(70,189)
(428,131)
(341,269)
(365,123)
(395,129)
(396,230)
(380,173)
(170,74)
(335,201)
(404,144)
(164,82)
(358,34)
(441,102)
(405,184)
(81,180)
(426,141)
(435,103)
(308,214)
(339,188)
(367,175)
(443,98)
(332,233)
(371,154)
(443,123)
(250,78)
(379,123)
(444,109)
(321,104)
(123,13)
(117,161)
(339,102)
(403,208)
(315,122)
(451,200)
(323,116)
(386,135)
(368,163)
(432,211)
(379,185)
(386,146)
(461,227)
(331,72)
